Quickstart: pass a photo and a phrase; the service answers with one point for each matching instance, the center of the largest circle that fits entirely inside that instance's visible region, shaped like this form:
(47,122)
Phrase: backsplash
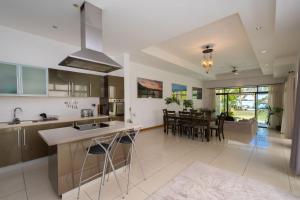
(33,106)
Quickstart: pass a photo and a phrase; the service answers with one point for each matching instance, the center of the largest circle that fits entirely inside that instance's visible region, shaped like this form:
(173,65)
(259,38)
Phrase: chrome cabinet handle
(19,144)
(90,89)
(72,93)
(69,88)
(24,134)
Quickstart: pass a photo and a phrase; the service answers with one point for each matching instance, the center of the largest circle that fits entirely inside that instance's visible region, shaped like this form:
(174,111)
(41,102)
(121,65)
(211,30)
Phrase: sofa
(245,126)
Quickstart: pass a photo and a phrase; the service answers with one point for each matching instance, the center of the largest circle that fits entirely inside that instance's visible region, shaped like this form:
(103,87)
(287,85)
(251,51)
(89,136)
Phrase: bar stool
(129,138)
(102,145)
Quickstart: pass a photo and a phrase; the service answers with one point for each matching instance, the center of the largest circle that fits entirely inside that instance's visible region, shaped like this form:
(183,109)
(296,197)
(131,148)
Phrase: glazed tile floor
(264,157)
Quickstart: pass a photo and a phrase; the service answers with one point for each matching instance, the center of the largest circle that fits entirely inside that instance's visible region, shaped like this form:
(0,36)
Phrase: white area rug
(200,181)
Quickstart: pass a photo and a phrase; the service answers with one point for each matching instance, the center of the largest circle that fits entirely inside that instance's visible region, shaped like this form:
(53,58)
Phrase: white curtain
(209,99)
(288,106)
(276,101)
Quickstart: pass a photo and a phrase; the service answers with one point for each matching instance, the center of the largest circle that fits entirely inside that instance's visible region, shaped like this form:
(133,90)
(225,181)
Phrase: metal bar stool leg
(129,168)
(138,160)
(116,177)
(102,177)
(81,173)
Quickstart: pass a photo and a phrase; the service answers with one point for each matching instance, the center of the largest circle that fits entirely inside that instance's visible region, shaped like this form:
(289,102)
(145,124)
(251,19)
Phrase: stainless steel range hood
(90,56)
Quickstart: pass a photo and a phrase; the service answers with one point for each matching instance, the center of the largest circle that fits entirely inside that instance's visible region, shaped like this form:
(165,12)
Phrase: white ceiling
(231,45)
(135,25)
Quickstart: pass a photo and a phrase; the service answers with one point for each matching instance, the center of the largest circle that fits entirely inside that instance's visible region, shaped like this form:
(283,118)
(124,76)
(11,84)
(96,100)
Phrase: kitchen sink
(19,122)
(85,127)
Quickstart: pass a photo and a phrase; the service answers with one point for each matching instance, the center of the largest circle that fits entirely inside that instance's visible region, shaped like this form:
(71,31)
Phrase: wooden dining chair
(165,119)
(219,127)
(184,122)
(201,128)
(170,121)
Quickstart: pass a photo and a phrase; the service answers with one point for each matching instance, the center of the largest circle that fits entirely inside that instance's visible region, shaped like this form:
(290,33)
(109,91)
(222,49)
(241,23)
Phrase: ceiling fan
(234,70)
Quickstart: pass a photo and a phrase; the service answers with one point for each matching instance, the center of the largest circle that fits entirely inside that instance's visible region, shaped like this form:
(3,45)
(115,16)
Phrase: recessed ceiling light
(267,65)
(264,51)
(54,27)
(75,5)
(258,28)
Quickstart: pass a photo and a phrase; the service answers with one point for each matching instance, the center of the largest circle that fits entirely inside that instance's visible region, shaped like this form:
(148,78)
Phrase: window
(249,89)
(263,88)
(232,90)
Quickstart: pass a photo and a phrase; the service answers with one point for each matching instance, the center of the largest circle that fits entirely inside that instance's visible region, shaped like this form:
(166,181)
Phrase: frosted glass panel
(34,80)
(8,79)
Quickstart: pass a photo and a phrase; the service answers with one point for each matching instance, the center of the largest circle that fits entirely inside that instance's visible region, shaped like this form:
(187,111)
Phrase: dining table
(208,121)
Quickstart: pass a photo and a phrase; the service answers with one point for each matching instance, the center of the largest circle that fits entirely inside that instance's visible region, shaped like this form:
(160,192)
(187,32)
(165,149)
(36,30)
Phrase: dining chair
(201,127)
(165,112)
(219,127)
(171,121)
(184,122)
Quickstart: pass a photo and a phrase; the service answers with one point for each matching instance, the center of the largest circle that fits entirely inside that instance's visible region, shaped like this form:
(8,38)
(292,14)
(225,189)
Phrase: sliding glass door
(262,109)
(241,106)
(244,103)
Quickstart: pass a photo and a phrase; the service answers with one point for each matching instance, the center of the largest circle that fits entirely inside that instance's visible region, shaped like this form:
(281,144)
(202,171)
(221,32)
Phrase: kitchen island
(67,149)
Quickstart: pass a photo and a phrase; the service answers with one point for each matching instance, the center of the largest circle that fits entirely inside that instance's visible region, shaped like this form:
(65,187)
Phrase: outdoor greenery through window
(244,102)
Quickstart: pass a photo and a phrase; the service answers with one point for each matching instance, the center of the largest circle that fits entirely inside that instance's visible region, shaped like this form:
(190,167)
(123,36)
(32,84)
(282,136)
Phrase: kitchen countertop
(69,134)
(60,120)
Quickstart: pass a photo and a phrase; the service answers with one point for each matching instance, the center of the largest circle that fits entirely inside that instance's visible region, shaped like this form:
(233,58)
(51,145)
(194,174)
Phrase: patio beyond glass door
(262,109)
(241,106)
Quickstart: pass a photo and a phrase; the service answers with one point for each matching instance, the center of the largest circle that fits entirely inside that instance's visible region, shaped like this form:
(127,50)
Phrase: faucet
(15,119)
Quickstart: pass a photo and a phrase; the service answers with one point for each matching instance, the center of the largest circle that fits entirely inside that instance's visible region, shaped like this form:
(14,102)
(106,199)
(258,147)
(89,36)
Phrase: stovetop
(85,127)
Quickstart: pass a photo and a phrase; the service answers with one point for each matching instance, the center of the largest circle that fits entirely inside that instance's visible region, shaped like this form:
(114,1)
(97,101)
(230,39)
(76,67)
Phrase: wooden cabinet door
(116,86)
(10,146)
(80,84)
(59,83)
(94,86)
(33,146)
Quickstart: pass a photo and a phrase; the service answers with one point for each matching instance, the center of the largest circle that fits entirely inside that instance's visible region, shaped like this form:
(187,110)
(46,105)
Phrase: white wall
(148,111)
(33,106)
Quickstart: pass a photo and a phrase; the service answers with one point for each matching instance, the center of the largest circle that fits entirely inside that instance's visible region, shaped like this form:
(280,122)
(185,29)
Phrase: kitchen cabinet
(95,88)
(34,80)
(24,144)
(33,146)
(59,84)
(73,84)
(22,80)
(8,79)
(10,146)
(115,87)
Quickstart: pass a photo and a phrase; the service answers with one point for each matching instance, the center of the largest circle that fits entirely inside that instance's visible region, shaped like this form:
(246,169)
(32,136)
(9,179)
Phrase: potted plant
(173,103)
(187,104)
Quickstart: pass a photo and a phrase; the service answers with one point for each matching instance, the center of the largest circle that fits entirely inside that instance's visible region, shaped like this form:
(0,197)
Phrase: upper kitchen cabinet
(8,79)
(115,87)
(95,84)
(21,80)
(34,80)
(73,84)
(59,84)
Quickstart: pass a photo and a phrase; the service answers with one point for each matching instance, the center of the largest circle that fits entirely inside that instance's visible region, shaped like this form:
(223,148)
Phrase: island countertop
(70,134)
